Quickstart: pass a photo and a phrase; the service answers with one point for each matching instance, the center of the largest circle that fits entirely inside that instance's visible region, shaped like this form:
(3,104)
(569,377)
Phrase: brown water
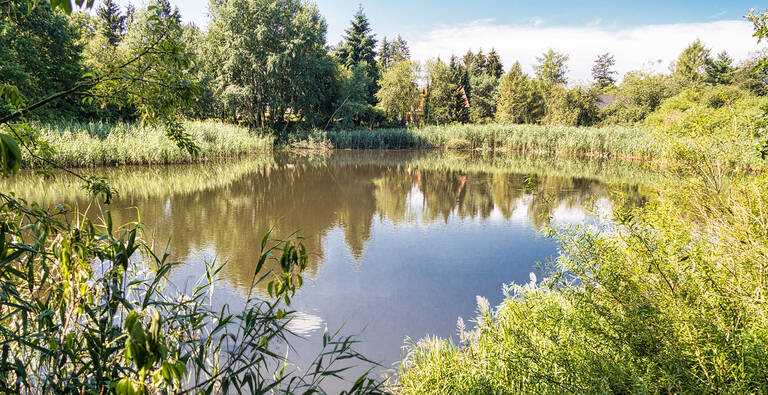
(401,242)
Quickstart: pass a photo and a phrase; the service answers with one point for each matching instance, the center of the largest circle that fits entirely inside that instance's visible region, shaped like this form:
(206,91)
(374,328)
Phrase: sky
(641,34)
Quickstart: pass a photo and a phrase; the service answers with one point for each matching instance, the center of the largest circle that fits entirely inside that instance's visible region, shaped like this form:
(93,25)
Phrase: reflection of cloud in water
(303,324)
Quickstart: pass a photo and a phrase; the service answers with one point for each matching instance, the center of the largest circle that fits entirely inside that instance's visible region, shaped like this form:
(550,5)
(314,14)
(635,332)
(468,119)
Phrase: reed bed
(77,144)
(619,141)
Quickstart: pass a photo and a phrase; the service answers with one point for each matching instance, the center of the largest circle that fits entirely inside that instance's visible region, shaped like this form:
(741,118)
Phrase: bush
(667,300)
(639,95)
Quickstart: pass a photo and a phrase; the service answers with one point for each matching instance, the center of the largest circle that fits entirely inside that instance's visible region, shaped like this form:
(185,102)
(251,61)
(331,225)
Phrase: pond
(401,242)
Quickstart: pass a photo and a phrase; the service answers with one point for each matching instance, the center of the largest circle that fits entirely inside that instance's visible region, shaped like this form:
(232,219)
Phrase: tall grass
(620,141)
(78,144)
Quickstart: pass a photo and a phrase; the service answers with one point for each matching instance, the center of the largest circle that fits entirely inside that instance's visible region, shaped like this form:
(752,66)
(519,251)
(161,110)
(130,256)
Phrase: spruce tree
(720,71)
(114,21)
(385,53)
(400,50)
(479,64)
(458,110)
(358,49)
(493,64)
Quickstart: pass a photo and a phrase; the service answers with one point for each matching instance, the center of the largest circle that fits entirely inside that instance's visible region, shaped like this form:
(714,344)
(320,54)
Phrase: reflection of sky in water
(397,251)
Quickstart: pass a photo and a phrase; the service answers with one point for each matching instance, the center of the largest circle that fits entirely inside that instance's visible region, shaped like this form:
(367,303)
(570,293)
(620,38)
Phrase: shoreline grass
(78,144)
(630,142)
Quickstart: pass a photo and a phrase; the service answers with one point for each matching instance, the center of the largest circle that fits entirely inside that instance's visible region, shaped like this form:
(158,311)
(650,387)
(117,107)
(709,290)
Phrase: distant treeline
(275,71)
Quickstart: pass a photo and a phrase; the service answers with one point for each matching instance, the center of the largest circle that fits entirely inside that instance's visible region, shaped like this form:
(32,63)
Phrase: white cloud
(648,47)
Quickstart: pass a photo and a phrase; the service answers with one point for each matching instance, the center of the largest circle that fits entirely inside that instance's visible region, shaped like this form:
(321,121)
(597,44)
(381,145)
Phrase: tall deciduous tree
(493,64)
(552,68)
(690,67)
(603,72)
(280,73)
(397,90)
(113,20)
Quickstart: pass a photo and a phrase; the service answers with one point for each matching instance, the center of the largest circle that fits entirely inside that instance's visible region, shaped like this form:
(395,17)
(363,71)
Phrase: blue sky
(642,34)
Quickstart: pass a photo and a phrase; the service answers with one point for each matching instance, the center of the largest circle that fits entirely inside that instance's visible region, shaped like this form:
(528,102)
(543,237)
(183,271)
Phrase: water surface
(401,242)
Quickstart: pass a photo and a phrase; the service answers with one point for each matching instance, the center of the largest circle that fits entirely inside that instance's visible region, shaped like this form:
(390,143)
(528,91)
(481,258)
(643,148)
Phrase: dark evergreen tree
(459,105)
(479,64)
(385,53)
(114,21)
(400,50)
(358,49)
(720,71)
(602,71)
(493,64)
(468,59)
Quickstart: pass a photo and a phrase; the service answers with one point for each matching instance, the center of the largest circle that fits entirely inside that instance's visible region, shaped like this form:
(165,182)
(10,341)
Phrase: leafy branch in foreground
(87,307)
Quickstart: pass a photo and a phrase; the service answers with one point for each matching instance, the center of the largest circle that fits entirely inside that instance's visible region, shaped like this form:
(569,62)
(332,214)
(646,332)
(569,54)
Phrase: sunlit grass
(78,144)
(620,141)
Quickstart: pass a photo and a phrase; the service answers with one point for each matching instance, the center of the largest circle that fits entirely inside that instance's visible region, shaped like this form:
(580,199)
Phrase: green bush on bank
(671,299)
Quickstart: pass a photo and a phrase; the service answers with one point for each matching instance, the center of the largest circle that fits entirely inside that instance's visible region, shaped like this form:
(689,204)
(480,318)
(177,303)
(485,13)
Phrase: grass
(101,144)
(618,141)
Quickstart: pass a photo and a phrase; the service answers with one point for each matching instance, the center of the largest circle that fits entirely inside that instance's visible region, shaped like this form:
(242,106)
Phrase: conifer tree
(114,21)
(520,99)
(493,64)
(458,110)
(720,71)
(358,49)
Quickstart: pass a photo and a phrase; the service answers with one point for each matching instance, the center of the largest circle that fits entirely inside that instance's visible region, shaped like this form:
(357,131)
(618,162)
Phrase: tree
(461,97)
(493,64)
(393,51)
(484,95)
(690,67)
(602,71)
(720,71)
(269,78)
(520,98)
(570,107)
(440,93)
(113,20)
(358,47)
(552,69)
(39,54)
(479,64)
(638,95)
(397,90)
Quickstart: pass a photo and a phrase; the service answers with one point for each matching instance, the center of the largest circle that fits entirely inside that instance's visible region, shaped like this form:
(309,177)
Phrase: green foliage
(87,308)
(39,55)
(602,71)
(720,71)
(493,64)
(663,301)
(397,90)
(461,94)
(359,49)
(691,66)
(639,95)
(521,99)
(570,107)
(441,93)
(552,69)
(265,79)
(393,52)
(114,21)
(485,90)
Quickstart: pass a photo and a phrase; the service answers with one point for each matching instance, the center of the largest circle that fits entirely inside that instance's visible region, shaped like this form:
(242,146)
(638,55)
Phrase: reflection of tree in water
(313,197)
